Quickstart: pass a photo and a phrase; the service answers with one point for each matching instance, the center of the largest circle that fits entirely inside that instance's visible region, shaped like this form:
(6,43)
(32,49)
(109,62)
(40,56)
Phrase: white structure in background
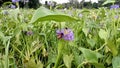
(65,1)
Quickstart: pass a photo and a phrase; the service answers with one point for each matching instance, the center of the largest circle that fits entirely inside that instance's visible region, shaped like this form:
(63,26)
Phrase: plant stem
(60,47)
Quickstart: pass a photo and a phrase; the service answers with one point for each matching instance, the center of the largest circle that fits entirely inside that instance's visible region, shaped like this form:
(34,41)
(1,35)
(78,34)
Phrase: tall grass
(35,45)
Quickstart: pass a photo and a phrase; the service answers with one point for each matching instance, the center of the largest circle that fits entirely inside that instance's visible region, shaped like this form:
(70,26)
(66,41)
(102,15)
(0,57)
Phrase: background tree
(49,4)
(82,3)
(74,3)
(34,4)
(31,4)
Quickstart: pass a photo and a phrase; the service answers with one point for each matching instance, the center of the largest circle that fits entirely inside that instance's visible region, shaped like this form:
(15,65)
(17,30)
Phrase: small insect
(66,31)
(59,36)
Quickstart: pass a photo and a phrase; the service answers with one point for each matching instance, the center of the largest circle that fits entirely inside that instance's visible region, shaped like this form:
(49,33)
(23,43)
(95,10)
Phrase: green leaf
(118,40)
(1,35)
(109,60)
(78,59)
(103,34)
(43,14)
(85,11)
(108,1)
(32,64)
(98,55)
(116,62)
(98,65)
(90,56)
(14,14)
(91,42)
(4,38)
(68,60)
(85,30)
(112,47)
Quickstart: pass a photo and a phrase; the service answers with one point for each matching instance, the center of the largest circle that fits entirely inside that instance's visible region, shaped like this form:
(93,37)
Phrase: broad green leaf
(68,60)
(78,59)
(85,30)
(98,55)
(112,47)
(103,34)
(85,10)
(90,56)
(43,14)
(32,64)
(98,65)
(109,60)
(91,42)
(116,62)
(108,1)
(118,40)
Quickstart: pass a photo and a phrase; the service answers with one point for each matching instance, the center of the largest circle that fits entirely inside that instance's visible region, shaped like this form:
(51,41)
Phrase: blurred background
(61,3)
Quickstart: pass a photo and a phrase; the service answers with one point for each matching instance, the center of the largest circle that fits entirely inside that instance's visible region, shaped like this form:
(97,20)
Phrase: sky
(64,1)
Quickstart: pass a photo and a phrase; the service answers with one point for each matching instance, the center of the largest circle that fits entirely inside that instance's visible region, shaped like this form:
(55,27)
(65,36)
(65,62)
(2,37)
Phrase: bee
(59,36)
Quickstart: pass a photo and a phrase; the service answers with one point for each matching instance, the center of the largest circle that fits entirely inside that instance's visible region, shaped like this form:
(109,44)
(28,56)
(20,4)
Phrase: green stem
(80,65)
(100,47)
(6,54)
(58,60)
(17,3)
(60,47)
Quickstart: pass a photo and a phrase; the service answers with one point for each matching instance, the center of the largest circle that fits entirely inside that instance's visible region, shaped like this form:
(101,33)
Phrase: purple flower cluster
(28,33)
(116,17)
(12,6)
(66,34)
(14,1)
(114,6)
(80,15)
(5,12)
(51,3)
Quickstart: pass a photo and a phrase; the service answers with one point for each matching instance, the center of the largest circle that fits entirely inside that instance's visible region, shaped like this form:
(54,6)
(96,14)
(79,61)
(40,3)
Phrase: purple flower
(66,34)
(51,3)
(70,13)
(116,17)
(80,15)
(12,6)
(14,1)
(5,12)
(114,6)
(29,33)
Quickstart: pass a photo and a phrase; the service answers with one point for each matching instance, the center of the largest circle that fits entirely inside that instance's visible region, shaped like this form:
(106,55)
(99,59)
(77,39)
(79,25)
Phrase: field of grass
(29,38)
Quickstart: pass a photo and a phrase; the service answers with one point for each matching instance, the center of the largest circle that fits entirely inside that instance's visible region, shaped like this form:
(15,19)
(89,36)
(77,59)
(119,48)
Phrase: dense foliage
(30,40)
